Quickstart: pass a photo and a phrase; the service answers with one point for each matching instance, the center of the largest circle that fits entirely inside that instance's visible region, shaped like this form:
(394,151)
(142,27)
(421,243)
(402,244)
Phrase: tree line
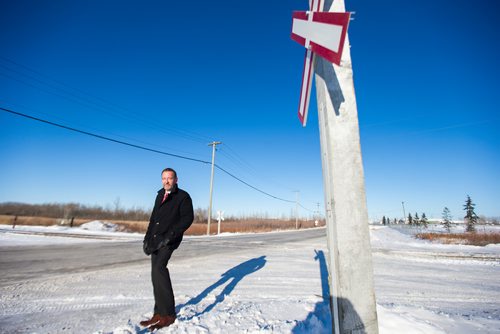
(72,210)
(81,211)
(471,219)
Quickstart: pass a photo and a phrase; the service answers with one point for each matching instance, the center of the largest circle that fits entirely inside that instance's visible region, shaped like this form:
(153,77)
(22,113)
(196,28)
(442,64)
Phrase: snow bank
(97,225)
(13,238)
(24,235)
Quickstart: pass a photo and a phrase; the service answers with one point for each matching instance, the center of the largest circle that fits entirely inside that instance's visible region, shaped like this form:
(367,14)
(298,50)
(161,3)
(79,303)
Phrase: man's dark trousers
(162,287)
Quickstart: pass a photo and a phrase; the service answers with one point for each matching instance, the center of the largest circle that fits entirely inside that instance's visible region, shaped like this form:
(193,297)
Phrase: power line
(303,207)
(236,159)
(249,185)
(62,90)
(142,148)
(102,137)
(90,128)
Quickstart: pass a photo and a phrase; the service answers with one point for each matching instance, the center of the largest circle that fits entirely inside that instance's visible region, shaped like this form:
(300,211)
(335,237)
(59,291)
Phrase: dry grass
(38,221)
(476,239)
(249,225)
(241,226)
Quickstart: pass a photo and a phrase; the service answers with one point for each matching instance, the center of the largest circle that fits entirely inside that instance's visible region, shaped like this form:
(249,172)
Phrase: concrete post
(350,260)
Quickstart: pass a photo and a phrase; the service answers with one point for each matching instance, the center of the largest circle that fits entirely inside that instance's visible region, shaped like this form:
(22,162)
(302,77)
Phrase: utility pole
(317,216)
(296,209)
(213,144)
(404,213)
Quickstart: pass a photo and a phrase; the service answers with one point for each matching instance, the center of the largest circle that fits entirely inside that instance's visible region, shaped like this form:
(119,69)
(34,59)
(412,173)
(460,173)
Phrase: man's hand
(145,248)
(162,244)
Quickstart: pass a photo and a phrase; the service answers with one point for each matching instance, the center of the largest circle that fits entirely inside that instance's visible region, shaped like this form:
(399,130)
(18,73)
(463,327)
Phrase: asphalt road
(20,263)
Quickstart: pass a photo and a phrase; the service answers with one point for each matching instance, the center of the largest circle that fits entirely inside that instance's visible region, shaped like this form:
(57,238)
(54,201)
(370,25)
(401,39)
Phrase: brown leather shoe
(164,321)
(152,321)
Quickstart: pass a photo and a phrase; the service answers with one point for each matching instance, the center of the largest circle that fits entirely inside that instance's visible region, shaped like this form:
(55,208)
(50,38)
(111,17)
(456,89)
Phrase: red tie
(164,197)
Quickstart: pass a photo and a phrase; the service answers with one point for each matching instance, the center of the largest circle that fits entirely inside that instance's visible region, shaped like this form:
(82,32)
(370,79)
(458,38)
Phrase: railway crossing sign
(323,34)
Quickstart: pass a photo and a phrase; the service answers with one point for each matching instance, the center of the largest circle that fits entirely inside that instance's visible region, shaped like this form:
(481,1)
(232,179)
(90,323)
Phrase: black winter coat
(169,220)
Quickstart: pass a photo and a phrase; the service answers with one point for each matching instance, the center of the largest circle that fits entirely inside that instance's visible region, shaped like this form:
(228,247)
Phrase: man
(171,217)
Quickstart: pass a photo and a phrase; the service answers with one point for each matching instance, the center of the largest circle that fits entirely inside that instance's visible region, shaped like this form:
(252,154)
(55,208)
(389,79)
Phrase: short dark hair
(169,170)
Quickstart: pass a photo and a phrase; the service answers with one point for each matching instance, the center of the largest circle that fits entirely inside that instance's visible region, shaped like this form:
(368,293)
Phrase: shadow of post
(320,319)
(233,276)
(324,69)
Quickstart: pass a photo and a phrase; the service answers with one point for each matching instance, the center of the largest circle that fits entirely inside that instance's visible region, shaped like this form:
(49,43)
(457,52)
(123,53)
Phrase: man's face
(168,180)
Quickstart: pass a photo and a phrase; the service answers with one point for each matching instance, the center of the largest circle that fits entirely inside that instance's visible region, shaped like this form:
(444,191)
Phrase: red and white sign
(305,89)
(321,33)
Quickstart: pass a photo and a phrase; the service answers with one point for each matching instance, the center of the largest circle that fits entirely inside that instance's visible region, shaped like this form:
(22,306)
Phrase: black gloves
(163,243)
(145,248)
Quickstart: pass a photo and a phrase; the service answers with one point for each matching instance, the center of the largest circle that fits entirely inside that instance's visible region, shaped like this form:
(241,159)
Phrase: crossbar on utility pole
(213,144)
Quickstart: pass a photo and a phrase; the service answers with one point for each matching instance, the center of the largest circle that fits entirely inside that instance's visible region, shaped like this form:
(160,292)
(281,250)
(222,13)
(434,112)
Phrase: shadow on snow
(320,319)
(233,276)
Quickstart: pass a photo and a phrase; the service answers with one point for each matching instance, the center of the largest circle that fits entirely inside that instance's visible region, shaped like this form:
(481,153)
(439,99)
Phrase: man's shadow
(234,276)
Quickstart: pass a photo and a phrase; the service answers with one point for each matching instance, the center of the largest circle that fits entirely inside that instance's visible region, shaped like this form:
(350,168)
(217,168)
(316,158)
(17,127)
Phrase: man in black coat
(171,217)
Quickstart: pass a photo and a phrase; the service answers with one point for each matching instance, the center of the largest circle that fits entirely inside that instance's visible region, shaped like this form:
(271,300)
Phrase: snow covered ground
(420,288)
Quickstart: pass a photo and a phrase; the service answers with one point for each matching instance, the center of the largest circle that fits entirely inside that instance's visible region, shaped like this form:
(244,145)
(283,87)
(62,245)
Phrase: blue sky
(174,76)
